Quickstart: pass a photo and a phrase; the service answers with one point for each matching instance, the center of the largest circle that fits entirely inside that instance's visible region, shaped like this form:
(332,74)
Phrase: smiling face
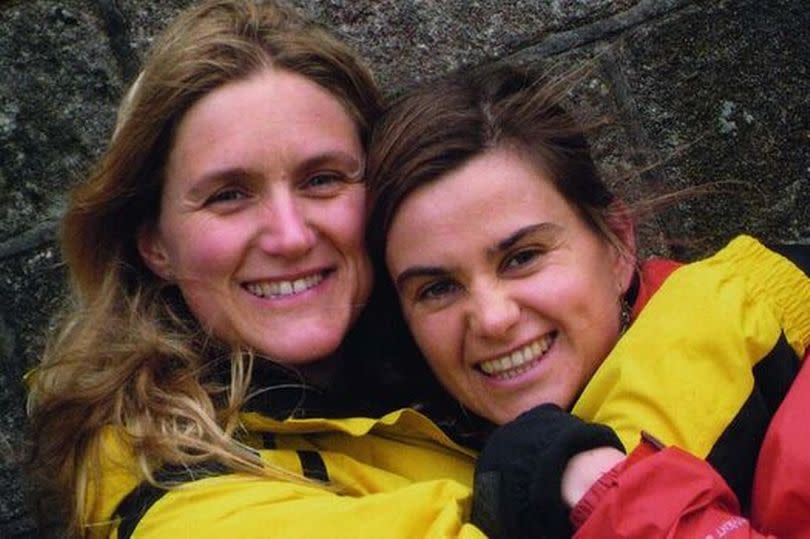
(262,216)
(512,297)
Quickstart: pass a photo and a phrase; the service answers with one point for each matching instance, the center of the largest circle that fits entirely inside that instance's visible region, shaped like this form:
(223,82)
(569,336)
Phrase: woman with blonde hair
(204,379)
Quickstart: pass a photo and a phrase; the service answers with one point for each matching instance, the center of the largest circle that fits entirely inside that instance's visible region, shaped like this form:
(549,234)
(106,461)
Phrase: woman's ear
(153,251)
(620,222)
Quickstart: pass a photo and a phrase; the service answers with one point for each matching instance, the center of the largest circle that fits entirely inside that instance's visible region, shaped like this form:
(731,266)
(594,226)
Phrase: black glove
(518,477)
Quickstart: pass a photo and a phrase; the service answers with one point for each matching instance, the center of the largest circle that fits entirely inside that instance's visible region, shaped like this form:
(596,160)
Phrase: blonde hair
(127,353)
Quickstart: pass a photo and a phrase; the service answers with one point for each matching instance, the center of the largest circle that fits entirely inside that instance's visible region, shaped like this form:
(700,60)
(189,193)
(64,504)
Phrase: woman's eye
(324,182)
(521,258)
(225,195)
(437,290)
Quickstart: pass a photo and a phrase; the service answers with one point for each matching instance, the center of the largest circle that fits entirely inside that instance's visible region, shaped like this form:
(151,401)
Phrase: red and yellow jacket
(719,380)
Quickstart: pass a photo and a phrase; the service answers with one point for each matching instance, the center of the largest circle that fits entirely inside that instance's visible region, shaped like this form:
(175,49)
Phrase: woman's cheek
(437,337)
(212,250)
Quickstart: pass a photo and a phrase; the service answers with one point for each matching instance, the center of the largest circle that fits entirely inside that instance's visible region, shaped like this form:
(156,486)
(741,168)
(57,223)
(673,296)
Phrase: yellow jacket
(398,476)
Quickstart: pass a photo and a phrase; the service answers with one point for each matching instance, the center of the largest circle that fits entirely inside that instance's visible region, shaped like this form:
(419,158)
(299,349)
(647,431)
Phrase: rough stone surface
(722,95)
(410,41)
(714,95)
(140,21)
(58,91)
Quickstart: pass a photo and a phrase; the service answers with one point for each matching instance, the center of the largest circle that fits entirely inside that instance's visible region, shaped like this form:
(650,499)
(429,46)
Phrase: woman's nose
(493,313)
(287,231)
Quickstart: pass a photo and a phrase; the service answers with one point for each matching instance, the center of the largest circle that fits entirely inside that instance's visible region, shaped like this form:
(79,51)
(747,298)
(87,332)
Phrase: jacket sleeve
(757,298)
(351,477)
(668,493)
(690,360)
(659,492)
(237,505)
(781,495)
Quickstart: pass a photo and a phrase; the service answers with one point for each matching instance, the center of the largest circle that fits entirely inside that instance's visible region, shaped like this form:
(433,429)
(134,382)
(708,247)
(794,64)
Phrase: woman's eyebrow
(549,229)
(200,186)
(418,271)
(353,165)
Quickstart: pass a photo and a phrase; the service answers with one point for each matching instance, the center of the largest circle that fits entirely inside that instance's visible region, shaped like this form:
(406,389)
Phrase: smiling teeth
(517,362)
(280,289)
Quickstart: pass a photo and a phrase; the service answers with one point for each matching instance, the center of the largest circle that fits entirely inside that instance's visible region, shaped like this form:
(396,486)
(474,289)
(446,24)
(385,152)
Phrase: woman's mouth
(519,361)
(285,288)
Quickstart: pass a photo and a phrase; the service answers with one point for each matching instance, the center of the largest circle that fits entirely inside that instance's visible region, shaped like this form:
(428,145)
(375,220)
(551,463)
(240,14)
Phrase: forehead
(496,182)
(273,108)
(476,206)
(277,93)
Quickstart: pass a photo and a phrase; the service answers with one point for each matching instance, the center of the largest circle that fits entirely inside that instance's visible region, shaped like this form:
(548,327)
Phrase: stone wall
(710,92)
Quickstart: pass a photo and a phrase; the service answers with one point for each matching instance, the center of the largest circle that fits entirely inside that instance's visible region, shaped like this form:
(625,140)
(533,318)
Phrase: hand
(518,476)
(584,469)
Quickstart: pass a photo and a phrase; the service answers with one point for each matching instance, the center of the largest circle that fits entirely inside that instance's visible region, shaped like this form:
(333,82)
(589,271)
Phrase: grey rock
(722,94)
(406,42)
(57,98)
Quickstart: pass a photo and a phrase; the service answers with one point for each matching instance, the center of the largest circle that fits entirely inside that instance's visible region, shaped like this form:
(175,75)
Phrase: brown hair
(438,128)
(127,354)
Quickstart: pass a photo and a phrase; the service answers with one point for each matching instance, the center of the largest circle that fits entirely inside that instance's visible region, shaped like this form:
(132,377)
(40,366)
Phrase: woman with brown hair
(515,270)
(203,379)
